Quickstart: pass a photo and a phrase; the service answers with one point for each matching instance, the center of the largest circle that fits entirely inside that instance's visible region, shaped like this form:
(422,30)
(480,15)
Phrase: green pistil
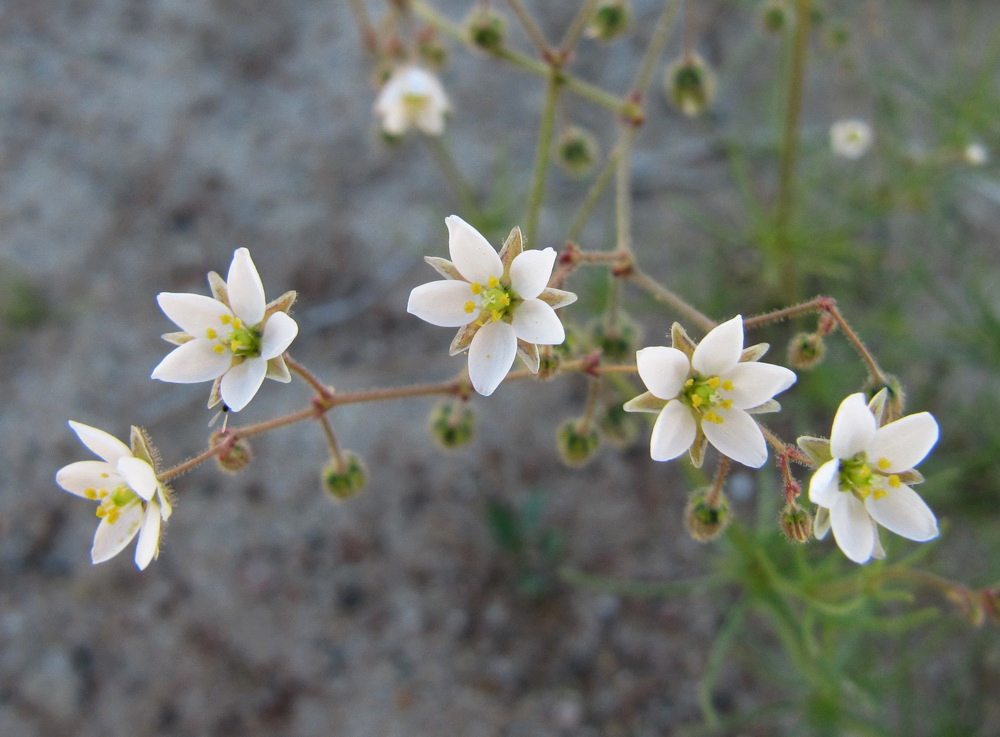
(856,476)
(495,300)
(244,342)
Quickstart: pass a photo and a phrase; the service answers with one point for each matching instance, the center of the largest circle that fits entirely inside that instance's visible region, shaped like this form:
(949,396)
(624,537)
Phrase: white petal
(824,486)
(195,314)
(821,525)
(395,119)
(853,427)
(472,254)
(491,355)
(443,303)
(902,511)
(536,322)
(111,538)
(737,436)
(755,383)
(530,272)
(719,351)
(77,478)
(246,292)
(149,537)
(139,476)
(279,332)
(101,443)
(430,120)
(241,383)
(663,370)
(193,362)
(904,443)
(673,432)
(852,528)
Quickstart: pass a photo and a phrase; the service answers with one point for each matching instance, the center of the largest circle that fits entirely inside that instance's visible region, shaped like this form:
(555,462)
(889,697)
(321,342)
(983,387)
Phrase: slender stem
(331,440)
(318,386)
(594,195)
(623,191)
(530,27)
(364,23)
(614,301)
(657,42)
(789,152)
(182,468)
(542,157)
(662,294)
(593,394)
(452,174)
(575,29)
(714,495)
(874,370)
(689,29)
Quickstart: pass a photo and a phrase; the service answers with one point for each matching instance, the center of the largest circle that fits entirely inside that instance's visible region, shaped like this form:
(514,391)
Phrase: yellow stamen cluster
(702,395)
(858,477)
(239,340)
(111,503)
(495,300)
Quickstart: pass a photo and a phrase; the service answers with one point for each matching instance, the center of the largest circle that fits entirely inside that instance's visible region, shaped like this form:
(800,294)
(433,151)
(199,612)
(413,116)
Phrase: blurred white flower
(233,338)
(412,97)
(131,499)
(867,475)
(976,154)
(708,393)
(500,302)
(851,138)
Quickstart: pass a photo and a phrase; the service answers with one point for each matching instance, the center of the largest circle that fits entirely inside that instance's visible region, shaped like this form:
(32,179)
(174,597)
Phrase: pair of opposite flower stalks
(704,393)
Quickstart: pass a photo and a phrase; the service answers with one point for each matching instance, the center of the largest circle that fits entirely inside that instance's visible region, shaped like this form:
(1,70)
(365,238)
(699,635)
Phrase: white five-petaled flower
(866,474)
(130,498)
(233,338)
(851,138)
(500,302)
(706,393)
(412,97)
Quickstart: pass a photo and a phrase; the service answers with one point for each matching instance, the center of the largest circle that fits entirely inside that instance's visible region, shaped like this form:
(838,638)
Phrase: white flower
(851,138)
(233,338)
(706,393)
(864,477)
(500,302)
(131,499)
(412,97)
(976,154)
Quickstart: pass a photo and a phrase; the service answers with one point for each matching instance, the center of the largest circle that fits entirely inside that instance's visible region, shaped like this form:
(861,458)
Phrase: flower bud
(796,523)
(618,342)
(549,361)
(346,477)
(433,53)
(706,521)
(836,37)
(485,28)
(577,447)
(452,424)
(895,401)
(610,20)
(774,15)
(806,350)
(619,427)
(690,85)
(234,455)
(577,151)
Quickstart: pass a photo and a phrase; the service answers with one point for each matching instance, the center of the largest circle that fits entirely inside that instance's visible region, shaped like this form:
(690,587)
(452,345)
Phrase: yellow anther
(103,493)
(211,334)
(894,481)
(506,300)
(496,315)
(727,403)
(101,512)
(689,382)
(219,348)
(492,282)
(234,345)
(113,516)
(696,401)
(225,319)
(865,491)
(90,493)
(105,476)
(470,306)
(476,287)
(713,417)
(727,385)
(881,493)
(883,464)
(714,382)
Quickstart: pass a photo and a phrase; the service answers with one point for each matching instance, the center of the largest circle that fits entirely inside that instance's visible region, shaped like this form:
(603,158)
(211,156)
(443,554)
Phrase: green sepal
(647,402)
(754,352)
(444,267)
(681,340)
(511,249)
(818,449)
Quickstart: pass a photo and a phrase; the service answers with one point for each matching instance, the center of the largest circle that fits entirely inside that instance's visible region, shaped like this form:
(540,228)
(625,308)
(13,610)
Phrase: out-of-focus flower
(851,138)
(707,393)
(500,302)
(690,84)
(131,500)
(233,338)
(976,154)
(866,474)
(413,97)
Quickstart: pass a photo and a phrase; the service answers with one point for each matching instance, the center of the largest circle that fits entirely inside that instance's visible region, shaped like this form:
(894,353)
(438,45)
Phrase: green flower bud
(575,447)
(774,15)
(433,53)
(706,521)
(485,28)
(610,20)
(690,85)
(806,350)
(895,400)
(577,151)
(619,427)
(836,37)
(452,424)
(549,361)
(235,455)
(618,342)
(796,523)
(344,478)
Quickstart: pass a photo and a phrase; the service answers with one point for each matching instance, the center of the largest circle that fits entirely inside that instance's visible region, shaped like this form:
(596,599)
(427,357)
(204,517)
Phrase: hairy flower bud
(485,28)
(432,52)
(576,446)
(234,455)
(795,523)
(618,426)
(577,151)
(452,424)
(610,20)
(346,477)
(806,350)
(705,520)
(690,85)
(774,15)
(617,342)
(895,399)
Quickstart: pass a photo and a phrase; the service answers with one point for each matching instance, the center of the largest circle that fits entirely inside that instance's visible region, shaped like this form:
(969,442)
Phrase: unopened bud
(895,401)
(617,342)
(234,455)
(452,424)
(619,427)
(796,523)
(836,37)
(610,20)
(345,477)
(690,85)
(549,361)
(432,52)
(577,151)
(706,520)
(485,28)
(806,350)
(577,446)
(774,15)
